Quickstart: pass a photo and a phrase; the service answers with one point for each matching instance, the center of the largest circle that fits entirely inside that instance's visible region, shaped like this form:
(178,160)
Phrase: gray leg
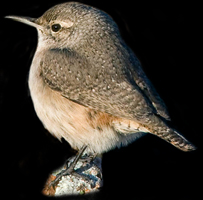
(70,170)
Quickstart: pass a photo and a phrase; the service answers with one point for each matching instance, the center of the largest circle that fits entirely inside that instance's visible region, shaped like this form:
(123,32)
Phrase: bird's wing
(111,90)
(146,86)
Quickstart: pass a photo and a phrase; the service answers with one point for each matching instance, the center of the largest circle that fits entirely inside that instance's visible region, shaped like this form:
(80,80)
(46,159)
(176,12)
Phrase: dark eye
(56,27)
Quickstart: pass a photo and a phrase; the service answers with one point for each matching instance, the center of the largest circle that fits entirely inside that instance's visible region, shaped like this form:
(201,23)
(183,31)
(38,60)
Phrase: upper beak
(26,20)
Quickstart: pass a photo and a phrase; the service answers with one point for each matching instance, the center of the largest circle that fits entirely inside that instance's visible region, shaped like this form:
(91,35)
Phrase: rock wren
(88,87)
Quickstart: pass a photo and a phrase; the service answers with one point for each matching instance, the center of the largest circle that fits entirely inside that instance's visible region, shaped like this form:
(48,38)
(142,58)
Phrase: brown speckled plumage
(87,85)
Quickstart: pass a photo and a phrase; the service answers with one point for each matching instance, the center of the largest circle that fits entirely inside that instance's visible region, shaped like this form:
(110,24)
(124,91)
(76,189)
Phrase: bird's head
(71,25)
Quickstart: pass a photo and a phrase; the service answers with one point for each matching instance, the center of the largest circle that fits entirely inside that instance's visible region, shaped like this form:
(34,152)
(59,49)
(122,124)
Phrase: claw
(88,161)
(70,170)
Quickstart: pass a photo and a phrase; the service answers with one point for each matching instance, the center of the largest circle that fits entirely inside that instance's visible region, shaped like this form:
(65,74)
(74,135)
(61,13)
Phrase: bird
(88,86)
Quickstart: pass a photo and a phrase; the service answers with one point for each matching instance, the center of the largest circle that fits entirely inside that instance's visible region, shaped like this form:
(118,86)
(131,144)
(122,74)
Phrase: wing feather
(118,91)
(146,86)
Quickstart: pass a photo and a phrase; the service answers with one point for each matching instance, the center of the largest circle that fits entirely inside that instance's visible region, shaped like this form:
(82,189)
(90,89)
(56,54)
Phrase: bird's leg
(70,169)
(78,156)
(88,158)
(91,161)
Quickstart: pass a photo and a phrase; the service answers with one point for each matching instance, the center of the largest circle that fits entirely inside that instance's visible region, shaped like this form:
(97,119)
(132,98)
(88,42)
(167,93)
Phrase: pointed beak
(26,20)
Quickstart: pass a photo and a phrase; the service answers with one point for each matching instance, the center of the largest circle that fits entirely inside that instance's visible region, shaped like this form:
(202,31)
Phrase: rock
(74,185)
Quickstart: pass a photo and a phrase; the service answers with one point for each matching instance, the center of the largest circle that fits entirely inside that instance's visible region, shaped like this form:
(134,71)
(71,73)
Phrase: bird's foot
(70,169)
(87,163)
(92,161)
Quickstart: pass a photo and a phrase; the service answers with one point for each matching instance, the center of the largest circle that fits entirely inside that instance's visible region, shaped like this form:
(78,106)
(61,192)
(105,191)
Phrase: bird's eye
(56,27)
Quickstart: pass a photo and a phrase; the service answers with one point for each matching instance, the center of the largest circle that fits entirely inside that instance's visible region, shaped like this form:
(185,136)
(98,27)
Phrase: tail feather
(160,129)
(177,140)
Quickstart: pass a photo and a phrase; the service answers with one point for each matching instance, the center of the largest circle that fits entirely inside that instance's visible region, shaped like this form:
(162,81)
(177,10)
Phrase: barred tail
(177,140)
(160,129)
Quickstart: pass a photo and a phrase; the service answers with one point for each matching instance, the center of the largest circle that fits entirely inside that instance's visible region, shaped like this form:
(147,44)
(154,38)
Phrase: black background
(166,38)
